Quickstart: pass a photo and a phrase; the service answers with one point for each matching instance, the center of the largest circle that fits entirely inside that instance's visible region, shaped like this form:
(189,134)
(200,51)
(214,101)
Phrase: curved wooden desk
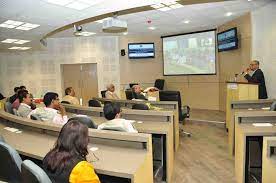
(124,155)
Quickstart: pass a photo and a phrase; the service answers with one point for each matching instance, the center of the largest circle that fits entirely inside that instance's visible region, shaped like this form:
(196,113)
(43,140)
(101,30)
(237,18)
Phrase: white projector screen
(187,54)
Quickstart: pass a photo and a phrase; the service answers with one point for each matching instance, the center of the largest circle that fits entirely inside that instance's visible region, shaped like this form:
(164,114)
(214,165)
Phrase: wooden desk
(139,115)
(243,106)
(242,131)
(156,129)
(269,160)
(131,161)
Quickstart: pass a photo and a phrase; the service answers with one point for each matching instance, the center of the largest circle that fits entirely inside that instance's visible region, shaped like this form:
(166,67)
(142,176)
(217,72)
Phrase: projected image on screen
(190,54)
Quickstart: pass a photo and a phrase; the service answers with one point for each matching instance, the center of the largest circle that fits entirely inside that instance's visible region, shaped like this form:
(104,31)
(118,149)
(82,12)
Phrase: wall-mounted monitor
(141,50)
(227,40)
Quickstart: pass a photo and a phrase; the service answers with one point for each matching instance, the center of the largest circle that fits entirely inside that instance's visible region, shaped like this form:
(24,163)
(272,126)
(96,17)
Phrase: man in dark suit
(256,77)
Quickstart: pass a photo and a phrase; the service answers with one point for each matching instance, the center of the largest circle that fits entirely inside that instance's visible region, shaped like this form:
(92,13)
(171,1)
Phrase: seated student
(70,96)
(138,92)
(53,111)
(24,108)
(66,162)
(33,105)
(112,112)
(110,93)
(14,96)
(16,103)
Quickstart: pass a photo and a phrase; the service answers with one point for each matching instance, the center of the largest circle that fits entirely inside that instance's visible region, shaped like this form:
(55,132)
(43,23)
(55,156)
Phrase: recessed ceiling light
(85,33)
(152,28)
(18,25)
(228,14)
(157,6)
(22,41)
(60,2)
(125,33)
(19,48)
(186,21)
(249,0)
(9,40)
(175,6)
(78,5)
(168,3)
(12,22)
(164,9)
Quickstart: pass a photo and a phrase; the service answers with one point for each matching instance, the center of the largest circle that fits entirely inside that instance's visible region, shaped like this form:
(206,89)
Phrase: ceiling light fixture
(167,5)
(19,48)
(75,4)
(186,21)
(10,24)
(152,28)
(15,41)
(125,33)
(228,14)
(85,33)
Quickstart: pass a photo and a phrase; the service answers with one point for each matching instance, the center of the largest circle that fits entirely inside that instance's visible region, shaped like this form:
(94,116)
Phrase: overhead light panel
(9,40)
(152,28)
(11,24)
(228,14)
(101,21)
(85,33)
(15,41)
(21,41)
(75,4)
(167,5)
(186,21)
(19,48)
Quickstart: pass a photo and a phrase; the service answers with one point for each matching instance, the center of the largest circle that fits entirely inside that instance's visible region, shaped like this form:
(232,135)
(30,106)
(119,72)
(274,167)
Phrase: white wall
(40,70)
(264,43)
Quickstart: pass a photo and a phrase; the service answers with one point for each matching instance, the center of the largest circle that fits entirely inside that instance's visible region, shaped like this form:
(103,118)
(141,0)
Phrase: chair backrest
(86,121)
(273,106)
(172,96)
(35,117)
(8,107)
(31,173)
(140,107)
(65,102)
(159,83)
(94,103)
(2,138)
(129,94)
(15,112)
(103,93)
(132,84)
(10,163)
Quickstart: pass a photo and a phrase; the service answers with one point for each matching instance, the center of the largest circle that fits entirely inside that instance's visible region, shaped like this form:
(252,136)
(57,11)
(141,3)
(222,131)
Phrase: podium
(239,91)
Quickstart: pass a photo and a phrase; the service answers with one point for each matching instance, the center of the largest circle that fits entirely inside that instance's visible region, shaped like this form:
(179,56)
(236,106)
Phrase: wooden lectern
(239,91)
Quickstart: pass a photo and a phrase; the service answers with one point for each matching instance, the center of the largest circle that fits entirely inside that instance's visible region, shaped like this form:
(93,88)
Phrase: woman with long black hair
(66,162)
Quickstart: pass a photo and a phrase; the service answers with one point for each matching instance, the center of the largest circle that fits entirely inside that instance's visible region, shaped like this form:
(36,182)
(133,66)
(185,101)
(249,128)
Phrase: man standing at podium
(257,76)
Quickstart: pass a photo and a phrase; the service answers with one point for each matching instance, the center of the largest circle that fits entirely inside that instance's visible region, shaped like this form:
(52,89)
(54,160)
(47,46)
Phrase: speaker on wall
(123,52)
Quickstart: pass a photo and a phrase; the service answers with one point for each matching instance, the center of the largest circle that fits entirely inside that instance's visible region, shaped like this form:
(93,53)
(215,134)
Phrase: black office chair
(35,117)
(132,84)
(129,94)
(140,107)
(86,121)
(65,102)
(184,112)
(273,106)
(10,164)
(159,83)
(103,93)
(94,103)
(30,172)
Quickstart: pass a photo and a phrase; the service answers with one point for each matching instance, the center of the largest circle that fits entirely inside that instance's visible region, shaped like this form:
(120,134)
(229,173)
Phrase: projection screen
(188,54)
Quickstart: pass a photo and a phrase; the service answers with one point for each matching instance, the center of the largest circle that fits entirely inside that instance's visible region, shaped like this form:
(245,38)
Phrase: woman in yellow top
(66,162)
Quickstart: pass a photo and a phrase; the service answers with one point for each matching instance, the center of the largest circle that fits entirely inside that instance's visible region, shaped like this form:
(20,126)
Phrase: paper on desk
(93,148)
(250,109)
(262,124)
(131,121)
(80,115)
(139,121)
(266,108)
(11,129)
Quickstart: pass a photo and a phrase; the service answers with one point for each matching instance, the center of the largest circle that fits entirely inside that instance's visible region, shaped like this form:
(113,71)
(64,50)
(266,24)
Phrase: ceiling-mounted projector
(114,25)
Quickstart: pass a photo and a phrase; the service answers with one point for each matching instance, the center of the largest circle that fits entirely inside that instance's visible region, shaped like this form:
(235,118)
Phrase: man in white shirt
(110,93)
(112,112)
(70,96)
(25,100)
(53,111)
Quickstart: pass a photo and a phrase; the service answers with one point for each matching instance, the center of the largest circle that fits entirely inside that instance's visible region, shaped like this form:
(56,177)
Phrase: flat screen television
(227,40)
(141,50)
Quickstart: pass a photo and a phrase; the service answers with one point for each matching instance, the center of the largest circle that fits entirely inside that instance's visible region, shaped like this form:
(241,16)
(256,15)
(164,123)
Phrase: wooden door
(83,78)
